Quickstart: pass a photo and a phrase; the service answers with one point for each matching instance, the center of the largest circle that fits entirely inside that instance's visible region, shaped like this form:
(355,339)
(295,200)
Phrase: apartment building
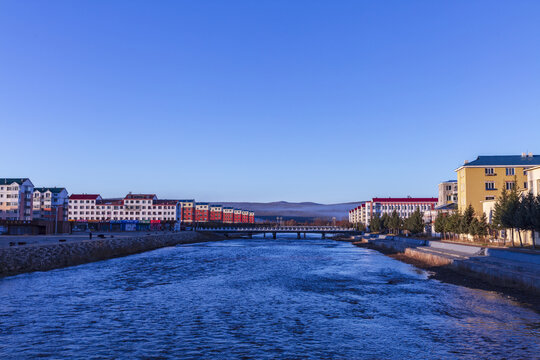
(202,212)
(483,179)
(245,216)
(50,203)
(448,193)
(187,211)
(228,215)
(533,180)
(16,199)
(404,207)
(237,216)
(216,213)
(136,207)
(251,219)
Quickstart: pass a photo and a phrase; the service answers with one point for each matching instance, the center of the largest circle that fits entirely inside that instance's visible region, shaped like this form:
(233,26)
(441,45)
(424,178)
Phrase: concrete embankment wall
(502,267)
(18,260)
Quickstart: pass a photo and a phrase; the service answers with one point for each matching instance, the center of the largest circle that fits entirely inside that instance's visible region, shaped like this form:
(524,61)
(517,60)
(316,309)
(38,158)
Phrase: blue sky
(325,101)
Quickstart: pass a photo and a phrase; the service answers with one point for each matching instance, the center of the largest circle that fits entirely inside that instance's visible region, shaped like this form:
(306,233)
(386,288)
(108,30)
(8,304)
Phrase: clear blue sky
(325,101)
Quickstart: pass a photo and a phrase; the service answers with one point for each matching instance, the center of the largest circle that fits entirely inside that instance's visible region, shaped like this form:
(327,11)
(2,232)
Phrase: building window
(490,185)
(489,171)
(490,197)
(510,172)
(510,185)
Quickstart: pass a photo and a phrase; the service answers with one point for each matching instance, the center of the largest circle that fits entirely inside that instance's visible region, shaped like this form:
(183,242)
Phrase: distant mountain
(297,211)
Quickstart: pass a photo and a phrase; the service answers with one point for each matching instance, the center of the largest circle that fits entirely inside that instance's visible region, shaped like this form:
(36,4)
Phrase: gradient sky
(326,101)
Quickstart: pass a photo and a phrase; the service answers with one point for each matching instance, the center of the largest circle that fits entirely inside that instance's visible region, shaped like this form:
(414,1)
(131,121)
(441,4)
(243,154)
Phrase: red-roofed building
(202,212)
(216,213)
(237,219)
(404,207)
(228,215)
(188,211)
(245,216)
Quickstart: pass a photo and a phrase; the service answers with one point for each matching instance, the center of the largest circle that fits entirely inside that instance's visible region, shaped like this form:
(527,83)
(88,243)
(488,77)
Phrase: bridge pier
(264,235)
(324,235)
(250,235)
(274,235)
(304,235)
(298,235)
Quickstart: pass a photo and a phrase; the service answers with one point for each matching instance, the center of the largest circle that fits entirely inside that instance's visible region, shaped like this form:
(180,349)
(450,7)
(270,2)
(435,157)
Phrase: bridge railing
(282,229)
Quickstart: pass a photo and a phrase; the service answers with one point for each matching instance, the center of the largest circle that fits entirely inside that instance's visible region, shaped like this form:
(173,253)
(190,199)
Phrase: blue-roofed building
(484,179)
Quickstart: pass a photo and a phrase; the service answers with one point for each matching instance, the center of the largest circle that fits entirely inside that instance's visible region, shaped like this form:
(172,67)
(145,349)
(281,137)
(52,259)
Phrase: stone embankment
(23,259)
(501,267)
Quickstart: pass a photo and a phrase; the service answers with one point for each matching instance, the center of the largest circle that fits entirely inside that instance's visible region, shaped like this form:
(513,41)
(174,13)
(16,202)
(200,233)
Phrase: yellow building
(484,178)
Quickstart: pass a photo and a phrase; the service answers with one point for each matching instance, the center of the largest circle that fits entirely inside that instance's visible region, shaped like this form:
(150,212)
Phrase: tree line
(393,223)
(512,211)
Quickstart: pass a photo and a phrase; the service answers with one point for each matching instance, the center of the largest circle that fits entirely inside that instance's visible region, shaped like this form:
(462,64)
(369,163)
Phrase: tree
(452,223)
(527,214)
(440,224)
(395,222)
(375,225)
(536,217)
(385,220)
(467,220)
(483,226)
(415,223)
(360,226)
(500,212)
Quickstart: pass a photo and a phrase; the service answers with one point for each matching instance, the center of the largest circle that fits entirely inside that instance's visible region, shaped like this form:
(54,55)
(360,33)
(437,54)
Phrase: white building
(141,207)
(16,199)
(533,180)
(404,207)
(50,203)
(448,193)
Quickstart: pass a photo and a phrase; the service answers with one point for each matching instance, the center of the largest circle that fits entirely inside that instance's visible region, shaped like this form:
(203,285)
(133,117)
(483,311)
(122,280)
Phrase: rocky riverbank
(52,256)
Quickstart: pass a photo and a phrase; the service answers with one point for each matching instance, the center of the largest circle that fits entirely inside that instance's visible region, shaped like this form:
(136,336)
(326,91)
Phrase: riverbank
(17,260)
(470,267)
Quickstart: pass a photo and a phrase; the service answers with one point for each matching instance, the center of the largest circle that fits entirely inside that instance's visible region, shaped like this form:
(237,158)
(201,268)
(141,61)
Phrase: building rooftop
(451,206)
(505,160)
(84,196)
(54,190)
(407,199)
(165,202)
(140,196)
(9,181)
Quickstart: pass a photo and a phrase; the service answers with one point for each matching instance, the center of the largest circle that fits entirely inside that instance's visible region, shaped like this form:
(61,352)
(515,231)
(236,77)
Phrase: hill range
(301,211)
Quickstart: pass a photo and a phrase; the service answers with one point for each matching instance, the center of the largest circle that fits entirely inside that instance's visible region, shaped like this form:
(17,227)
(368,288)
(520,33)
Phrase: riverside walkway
(504,267)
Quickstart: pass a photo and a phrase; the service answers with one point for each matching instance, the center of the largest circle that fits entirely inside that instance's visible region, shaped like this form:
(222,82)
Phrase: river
(259,298)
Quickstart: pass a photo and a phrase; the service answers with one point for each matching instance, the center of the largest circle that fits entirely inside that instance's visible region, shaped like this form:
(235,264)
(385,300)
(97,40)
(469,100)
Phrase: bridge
(274,230)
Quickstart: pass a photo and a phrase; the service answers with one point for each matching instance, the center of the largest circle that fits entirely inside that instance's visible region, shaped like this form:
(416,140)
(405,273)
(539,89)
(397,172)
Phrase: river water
(259,298)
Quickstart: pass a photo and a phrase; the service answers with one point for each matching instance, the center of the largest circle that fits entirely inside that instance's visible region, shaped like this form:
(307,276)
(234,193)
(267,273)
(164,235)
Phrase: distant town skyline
(263,101)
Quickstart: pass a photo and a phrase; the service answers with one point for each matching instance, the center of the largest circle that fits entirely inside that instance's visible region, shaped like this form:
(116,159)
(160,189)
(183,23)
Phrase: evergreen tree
(385,222)
(395,222)
(415,223)
(466,223)
(375,225)
(536,217)
(440,224)
(500,214)
(483,226)
(453,223)
(527,214)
